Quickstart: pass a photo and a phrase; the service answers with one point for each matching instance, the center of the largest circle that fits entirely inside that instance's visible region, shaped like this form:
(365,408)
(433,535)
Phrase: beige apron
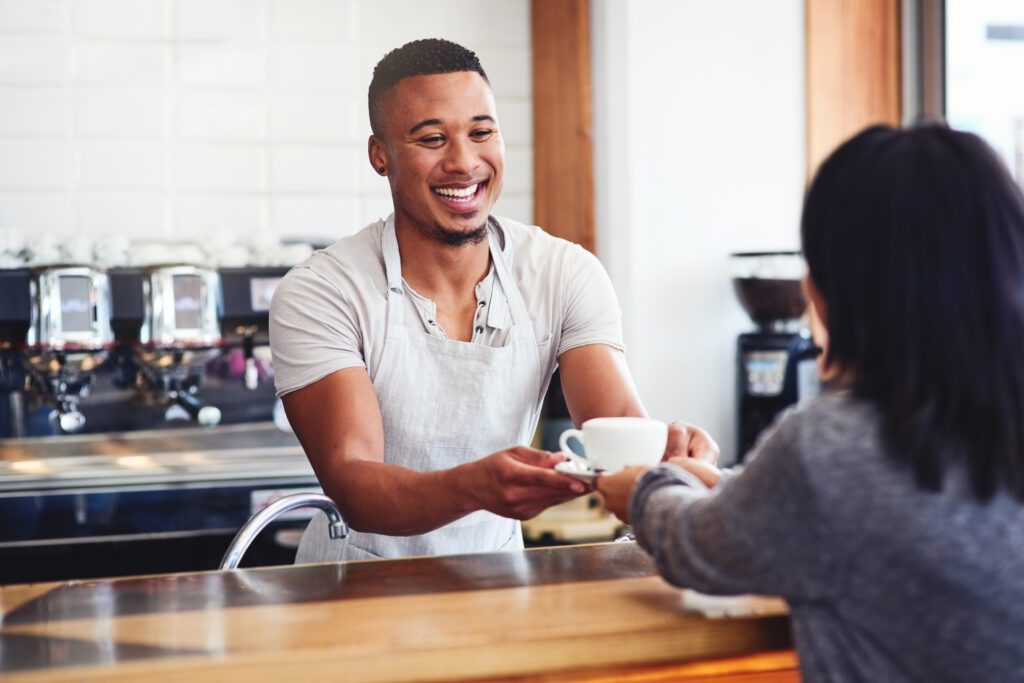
(445,403)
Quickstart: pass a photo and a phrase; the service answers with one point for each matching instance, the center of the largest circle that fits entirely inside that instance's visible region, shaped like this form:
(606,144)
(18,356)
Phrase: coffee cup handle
(563,445)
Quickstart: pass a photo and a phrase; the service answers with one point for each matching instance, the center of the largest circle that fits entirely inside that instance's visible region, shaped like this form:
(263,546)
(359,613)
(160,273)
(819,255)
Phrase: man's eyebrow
(437,122)
(424,124)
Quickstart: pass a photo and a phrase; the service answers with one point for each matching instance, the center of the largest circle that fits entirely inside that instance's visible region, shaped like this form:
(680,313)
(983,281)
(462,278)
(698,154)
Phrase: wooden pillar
(563,158)
(853,70)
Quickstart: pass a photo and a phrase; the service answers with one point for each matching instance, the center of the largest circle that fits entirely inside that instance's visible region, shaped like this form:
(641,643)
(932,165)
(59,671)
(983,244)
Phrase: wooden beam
(563,158)
(853,70)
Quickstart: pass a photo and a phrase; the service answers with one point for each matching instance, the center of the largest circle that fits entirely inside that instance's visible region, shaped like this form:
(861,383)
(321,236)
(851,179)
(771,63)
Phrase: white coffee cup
(612,443)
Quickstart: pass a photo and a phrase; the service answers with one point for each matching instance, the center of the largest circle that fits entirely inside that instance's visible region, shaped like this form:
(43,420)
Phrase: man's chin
(457,237)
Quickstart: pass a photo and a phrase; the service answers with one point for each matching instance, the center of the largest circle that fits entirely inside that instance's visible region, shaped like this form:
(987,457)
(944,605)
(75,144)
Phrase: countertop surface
(243,452)
(595,612)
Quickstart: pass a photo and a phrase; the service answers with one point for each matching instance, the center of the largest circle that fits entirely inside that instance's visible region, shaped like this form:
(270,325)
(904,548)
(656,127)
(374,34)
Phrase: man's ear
(378,155)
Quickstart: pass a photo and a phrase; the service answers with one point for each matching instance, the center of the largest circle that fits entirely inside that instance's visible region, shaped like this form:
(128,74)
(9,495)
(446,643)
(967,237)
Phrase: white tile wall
(137,215)
(174,118)
(218,167)
(36,212)
(121,19)
(120,165)
(33,114)
(32,61)
(199,214)
(312,19)
(315,215)
(315,116)
(221,66)
(33,165)
(220,115)
(313,168)
(119,65)
(118,113)
(217,21)
(32,16)
(325,67)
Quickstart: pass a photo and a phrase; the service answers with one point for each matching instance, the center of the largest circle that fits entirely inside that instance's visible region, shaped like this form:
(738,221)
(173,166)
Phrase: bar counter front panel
(585,613)
(144,502)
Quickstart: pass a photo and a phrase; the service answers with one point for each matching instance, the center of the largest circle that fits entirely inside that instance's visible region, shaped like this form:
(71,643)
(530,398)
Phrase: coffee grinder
(776,365)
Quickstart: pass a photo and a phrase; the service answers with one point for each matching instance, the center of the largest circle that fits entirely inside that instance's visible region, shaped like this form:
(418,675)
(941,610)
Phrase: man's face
(444,154)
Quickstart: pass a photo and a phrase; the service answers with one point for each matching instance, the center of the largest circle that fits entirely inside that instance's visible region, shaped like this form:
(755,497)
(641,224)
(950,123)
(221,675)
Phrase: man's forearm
(379,498)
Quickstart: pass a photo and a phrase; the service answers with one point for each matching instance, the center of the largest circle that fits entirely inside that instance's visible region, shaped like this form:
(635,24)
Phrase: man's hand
(519,482)
(617,489)
(687,441)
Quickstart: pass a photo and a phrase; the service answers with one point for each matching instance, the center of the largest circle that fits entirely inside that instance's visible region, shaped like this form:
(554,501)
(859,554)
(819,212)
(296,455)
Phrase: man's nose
(461,158)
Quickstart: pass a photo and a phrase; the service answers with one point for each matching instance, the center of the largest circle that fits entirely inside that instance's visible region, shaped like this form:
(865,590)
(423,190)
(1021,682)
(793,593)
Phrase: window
(984,74)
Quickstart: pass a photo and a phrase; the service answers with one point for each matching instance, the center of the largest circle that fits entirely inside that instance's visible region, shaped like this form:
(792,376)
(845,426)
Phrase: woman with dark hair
(889,511)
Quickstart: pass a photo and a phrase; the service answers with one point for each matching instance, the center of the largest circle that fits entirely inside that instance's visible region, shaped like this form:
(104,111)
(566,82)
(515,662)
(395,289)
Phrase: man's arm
(338,422)
(596,383)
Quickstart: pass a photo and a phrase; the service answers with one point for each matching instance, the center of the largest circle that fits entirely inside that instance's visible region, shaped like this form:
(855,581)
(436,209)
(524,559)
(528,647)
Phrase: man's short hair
(418,58)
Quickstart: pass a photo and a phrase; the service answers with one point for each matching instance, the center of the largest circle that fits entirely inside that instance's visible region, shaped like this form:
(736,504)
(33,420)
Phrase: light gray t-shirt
(330,311)
(885,581)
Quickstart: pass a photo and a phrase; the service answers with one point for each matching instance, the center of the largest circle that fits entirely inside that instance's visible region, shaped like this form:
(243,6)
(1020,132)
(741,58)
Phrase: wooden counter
(585,613)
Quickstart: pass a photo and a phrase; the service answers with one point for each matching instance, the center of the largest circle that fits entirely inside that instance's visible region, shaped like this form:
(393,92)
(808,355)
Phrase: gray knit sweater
(885,581)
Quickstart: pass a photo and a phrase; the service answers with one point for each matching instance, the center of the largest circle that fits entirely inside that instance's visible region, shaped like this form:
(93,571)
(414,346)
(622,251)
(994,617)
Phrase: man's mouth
(460,196)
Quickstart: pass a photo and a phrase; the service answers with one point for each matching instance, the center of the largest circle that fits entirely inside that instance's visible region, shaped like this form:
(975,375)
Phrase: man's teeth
(462,194)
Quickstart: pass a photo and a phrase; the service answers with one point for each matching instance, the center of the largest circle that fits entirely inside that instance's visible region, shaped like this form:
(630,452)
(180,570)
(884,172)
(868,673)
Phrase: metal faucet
(337,528)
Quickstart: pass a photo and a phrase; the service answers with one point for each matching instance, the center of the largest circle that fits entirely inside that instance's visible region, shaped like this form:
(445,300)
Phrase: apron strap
(517,306)
(393,271)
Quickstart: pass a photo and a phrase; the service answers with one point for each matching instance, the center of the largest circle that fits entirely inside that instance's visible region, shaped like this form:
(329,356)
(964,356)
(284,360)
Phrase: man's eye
(433,140)
(482,134)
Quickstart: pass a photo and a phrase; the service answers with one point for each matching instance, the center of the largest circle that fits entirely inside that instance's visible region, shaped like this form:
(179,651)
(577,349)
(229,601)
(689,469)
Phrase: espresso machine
(136,420)
(54,333)
(169,339)
(776,364)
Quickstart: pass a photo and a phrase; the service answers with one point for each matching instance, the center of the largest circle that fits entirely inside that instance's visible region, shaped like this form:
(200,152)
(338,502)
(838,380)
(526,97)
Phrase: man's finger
(530,475)
(703,447)
(532,456)
(678,441)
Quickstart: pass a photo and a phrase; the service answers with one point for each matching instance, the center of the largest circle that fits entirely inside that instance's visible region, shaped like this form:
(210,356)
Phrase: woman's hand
(706,472)
(688,442)
(617,489)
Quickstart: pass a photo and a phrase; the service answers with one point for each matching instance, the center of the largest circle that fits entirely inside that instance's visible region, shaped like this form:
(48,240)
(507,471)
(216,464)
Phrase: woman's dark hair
(915,239)
(418,58)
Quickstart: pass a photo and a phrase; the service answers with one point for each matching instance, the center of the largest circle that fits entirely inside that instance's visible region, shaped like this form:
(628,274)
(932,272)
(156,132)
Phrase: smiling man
(413,356)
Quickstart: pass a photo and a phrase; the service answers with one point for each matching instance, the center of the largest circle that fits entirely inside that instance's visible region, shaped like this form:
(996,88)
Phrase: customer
(888,511)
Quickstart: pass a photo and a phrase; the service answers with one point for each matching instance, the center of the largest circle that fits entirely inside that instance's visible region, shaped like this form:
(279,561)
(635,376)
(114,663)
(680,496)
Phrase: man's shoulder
(532,245)
(354,262)
(355,255)
(359,250)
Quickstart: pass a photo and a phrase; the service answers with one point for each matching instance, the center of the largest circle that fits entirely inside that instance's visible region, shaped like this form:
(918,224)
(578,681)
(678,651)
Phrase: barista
(413,356)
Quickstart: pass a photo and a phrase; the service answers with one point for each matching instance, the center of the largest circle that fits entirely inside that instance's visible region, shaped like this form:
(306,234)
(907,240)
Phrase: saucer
(578,470)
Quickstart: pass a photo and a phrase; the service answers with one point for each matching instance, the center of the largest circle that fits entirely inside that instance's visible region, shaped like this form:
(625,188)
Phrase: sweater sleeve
(759,531)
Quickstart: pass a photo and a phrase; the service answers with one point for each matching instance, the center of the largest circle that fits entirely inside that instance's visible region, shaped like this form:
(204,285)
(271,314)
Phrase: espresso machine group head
(54,332)
(168,318)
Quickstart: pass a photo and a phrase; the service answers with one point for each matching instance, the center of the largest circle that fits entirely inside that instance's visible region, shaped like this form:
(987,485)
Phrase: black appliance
(776,365)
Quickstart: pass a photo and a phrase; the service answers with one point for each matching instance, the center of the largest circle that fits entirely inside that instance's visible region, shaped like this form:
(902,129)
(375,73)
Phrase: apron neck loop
(396,288)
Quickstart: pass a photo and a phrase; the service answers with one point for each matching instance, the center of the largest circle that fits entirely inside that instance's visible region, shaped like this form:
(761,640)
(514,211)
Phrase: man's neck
(438,270)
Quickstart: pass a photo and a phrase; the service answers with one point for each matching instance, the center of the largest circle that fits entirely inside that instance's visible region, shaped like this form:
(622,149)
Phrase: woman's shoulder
(830,426)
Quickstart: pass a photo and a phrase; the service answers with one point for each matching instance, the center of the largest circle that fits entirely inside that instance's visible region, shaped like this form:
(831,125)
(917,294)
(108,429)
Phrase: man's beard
(458,238)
